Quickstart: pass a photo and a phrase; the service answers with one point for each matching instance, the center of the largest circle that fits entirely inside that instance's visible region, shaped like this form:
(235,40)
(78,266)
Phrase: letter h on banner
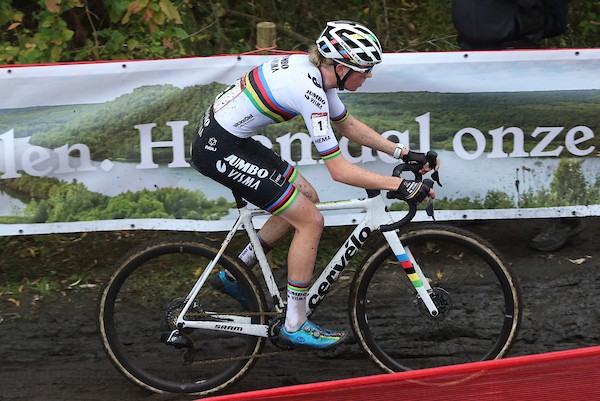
(177,143)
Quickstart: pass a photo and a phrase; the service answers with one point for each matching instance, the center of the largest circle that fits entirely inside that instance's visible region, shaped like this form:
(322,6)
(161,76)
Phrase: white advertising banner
(103,146)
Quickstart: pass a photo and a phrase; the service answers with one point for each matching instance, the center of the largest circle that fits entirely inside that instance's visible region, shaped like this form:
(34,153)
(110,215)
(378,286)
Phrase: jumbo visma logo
(244,172)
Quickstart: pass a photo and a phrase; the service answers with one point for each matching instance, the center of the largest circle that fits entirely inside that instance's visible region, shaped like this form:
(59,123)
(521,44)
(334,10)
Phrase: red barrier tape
(557,376)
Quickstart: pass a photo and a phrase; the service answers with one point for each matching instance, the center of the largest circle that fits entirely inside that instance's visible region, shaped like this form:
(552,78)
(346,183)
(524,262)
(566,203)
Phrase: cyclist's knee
(311,226)
(312,219)
(317,222)
(304,215)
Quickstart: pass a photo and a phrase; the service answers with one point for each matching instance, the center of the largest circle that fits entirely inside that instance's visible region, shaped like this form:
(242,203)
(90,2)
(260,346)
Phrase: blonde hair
(317,58)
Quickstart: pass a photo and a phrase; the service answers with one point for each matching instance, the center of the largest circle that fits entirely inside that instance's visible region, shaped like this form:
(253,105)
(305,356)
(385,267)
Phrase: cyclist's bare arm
(342,170)
(357,131)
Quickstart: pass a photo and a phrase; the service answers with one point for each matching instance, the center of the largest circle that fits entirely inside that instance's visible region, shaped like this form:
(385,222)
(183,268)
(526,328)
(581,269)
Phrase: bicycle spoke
(478,304)
(141,306)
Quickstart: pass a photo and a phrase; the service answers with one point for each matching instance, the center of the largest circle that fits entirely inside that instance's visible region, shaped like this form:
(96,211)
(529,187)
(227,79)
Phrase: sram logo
(350,248)
(227,327)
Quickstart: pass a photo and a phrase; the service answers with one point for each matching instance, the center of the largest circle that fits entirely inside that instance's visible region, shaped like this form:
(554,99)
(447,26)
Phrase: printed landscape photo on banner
(517,133)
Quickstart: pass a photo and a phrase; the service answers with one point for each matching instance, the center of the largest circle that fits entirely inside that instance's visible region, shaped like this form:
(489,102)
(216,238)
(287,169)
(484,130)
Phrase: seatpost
(239,201)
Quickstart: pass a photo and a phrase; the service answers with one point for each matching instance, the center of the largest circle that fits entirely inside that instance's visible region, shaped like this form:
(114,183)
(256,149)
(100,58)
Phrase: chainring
(275,326)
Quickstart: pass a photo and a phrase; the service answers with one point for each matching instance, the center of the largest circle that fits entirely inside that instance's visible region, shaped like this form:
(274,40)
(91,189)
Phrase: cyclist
(276,91)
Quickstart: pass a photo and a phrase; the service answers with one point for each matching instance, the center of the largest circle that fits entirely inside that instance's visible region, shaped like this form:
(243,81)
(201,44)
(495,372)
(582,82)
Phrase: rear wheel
(478,299)
(141,300)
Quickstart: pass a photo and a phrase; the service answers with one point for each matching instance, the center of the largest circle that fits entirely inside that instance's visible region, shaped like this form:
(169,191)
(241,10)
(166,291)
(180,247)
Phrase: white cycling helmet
(351,44)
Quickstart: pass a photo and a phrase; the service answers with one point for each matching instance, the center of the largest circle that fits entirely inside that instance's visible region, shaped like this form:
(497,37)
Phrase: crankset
(275,326)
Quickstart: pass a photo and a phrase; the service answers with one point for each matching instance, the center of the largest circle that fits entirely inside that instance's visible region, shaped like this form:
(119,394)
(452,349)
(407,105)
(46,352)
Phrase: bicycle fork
(413,271)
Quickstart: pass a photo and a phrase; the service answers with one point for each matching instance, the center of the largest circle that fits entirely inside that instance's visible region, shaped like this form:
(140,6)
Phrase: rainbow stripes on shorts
(284,201)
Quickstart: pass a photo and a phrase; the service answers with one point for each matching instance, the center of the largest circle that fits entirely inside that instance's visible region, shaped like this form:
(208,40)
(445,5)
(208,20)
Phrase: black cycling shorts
(243,165)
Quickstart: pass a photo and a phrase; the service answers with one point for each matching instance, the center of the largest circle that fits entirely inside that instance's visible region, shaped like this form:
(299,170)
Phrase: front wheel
(138,309)
(478,299)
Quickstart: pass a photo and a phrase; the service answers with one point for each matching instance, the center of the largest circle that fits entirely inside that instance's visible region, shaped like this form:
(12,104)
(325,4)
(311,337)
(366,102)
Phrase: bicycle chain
(235,358)
(260,314)
(232,358)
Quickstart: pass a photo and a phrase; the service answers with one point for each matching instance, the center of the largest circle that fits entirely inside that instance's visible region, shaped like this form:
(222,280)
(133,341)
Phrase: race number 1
(319,123)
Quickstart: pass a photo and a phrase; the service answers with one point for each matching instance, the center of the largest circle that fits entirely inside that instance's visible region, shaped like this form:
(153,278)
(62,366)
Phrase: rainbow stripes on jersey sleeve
(330,153)
(262,98)
(341,118)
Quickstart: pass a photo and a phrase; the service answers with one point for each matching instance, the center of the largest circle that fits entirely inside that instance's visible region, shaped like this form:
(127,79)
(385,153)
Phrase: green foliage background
(51,200)
(108,128)
(45,31)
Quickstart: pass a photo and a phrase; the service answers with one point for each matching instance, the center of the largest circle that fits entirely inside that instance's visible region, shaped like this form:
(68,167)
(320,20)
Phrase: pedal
(176,339)
(275,325)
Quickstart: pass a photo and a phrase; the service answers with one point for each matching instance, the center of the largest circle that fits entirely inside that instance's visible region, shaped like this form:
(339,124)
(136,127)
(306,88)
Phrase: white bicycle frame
(375,216)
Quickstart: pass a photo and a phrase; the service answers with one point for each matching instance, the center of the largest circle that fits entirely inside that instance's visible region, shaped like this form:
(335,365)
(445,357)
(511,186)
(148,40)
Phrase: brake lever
(415,168)
(429,208)
(431,158)
(436,177)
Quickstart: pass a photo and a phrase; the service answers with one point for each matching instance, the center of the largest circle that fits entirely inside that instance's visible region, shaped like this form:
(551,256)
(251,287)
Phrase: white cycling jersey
(277,91)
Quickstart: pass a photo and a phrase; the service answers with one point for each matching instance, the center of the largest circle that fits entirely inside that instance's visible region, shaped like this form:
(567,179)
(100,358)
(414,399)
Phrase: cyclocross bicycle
(427,296)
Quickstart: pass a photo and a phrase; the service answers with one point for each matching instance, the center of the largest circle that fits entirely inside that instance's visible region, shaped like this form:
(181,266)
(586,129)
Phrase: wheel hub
(441,299)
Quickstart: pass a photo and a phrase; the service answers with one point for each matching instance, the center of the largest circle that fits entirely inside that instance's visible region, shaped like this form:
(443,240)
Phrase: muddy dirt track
(49,348)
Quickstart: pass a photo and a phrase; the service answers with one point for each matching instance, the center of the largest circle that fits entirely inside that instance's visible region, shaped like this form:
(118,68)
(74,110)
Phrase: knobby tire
(139,303)
(479,300)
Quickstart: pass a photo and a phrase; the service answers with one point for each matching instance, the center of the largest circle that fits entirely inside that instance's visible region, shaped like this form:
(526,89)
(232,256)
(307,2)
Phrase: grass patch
(36,268)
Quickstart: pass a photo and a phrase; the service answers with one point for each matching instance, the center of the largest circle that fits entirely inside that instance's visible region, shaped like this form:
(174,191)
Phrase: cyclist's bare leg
(308,223)
(275,228)
(308,226)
